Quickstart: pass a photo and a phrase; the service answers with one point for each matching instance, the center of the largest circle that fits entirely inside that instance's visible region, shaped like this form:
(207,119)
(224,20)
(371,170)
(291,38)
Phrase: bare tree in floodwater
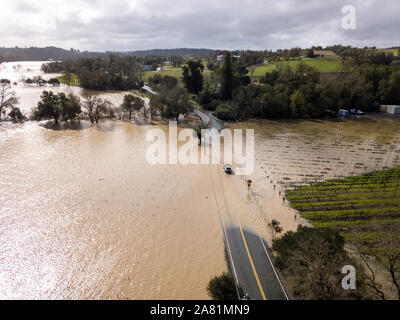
(95,107)
(8,98)
(385,251)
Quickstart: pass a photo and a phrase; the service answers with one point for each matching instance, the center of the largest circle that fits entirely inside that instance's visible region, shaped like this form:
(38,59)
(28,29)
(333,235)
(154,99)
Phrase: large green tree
(390,89)
(16,115)
(157,105)
(177,102)
(193,76)
(54,106)
(132,103)
(49,106)
(223,288)
(313,260)
(171,104)
(70,106)
(227,78)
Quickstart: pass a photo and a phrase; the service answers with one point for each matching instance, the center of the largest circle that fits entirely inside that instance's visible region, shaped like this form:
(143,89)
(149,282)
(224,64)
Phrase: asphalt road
(254,270)
(208,119)
(249,257)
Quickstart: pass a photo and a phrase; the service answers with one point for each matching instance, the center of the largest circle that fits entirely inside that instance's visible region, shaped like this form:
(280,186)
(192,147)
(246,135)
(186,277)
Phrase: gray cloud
(232,24)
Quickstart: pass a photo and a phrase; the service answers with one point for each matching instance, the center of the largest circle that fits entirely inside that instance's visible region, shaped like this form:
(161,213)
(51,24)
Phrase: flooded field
(29,95)
(291,153)
(303,151)
(83,216)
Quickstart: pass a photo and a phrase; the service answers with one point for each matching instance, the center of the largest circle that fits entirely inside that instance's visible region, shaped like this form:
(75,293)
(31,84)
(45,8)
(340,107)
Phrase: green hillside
(322,65)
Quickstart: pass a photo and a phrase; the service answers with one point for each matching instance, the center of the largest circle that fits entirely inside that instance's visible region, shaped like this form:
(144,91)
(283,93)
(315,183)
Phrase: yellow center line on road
(252,263)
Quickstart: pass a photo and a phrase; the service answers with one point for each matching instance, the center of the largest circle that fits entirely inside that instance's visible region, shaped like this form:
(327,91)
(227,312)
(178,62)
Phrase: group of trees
(52,67)
(172,103)
(285,93)
(173,100)
(302,92)
(56,106)
(163,83)
(69,107)
(313,260)
(358,57)
(39,81)
(106,73)
(132,103)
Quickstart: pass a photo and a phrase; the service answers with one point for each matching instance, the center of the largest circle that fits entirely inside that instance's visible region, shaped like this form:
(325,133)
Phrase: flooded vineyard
(299,152)
(294,153)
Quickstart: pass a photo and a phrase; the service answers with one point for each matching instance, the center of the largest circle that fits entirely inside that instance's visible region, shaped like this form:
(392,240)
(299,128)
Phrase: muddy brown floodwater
(83,216)
(29,95)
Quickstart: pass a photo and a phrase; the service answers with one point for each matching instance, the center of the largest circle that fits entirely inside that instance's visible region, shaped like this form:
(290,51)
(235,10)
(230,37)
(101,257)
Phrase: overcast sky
(101,25)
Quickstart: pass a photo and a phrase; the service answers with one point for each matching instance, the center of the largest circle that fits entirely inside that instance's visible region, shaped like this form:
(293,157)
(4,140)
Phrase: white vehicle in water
(228,169)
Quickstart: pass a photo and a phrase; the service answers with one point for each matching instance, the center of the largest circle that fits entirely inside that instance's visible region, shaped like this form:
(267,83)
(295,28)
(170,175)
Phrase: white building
(390,109)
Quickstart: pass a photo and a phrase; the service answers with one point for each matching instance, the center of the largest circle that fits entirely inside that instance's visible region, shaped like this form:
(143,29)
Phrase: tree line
(106,73)
(369,78)
(67,108)
(113,72)
(300,92)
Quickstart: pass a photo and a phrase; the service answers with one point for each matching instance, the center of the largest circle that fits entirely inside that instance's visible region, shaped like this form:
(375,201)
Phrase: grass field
(360,207)
(394,51)
(148,74)
(74,80)
(322,65)
(168,71)
(140,94)
(326,53)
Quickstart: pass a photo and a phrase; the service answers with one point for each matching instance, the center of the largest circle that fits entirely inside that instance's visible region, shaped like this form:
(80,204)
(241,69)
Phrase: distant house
(221,58)
(391,109)
(146,68)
